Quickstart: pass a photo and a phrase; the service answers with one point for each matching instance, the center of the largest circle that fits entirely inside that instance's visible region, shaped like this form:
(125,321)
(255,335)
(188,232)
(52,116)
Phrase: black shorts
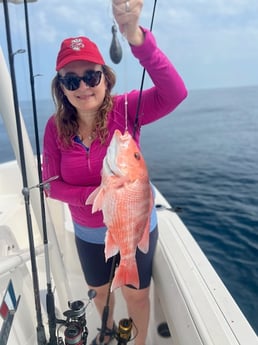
(97,271)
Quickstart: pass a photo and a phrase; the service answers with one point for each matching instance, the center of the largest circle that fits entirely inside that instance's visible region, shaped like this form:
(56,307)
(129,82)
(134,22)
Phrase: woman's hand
(127,14)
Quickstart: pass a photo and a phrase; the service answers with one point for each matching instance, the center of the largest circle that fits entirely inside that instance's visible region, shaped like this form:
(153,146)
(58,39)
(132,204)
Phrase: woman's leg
(100,302)
(138,305)
(97,274)
(138,301)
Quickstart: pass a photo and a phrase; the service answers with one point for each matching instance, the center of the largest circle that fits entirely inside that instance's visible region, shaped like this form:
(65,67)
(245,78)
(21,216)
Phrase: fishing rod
(41,337)
(123,334)
(115,53)
(50,302)
(136,122)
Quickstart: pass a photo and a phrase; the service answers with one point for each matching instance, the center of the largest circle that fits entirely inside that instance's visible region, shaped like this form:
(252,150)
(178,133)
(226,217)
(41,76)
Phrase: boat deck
(186,291)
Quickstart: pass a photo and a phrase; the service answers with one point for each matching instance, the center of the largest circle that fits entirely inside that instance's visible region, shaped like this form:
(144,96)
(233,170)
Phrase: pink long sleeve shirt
(79,170)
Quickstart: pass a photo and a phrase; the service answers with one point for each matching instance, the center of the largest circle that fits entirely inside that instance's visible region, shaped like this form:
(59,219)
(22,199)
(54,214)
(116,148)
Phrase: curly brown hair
(66,113)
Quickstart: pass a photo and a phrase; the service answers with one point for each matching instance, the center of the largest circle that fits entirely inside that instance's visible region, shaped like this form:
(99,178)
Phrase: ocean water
(204,159)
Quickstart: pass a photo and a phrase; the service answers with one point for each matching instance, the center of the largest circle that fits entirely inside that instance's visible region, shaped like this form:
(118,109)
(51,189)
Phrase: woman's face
(85,99)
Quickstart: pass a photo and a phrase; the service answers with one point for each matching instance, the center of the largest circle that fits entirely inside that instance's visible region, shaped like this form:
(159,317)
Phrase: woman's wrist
(136,38)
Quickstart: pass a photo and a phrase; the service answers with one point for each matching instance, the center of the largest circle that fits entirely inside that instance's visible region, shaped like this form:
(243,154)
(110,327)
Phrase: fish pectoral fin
(126,274)
(96,199)
(92,196)
(111,248)
(143,245)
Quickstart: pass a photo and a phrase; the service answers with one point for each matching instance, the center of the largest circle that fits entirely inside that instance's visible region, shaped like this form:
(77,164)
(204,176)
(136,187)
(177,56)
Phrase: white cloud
(205,39)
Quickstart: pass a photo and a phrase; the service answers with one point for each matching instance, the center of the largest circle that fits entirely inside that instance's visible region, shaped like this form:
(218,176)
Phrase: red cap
(78,48)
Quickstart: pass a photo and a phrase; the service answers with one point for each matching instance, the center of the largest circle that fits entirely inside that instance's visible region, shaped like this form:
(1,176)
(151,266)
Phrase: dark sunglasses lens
(70,83)
(92,78)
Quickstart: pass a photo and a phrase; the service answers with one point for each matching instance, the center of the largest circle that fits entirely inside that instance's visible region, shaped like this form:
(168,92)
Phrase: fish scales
(125,198)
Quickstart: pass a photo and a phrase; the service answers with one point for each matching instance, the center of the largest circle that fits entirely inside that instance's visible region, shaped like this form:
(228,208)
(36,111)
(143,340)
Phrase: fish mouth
(110,163)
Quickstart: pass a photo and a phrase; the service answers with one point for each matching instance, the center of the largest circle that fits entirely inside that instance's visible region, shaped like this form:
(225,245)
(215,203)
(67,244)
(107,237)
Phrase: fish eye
(137,155)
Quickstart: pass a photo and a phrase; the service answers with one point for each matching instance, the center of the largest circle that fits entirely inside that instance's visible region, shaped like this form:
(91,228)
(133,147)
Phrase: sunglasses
(72,82)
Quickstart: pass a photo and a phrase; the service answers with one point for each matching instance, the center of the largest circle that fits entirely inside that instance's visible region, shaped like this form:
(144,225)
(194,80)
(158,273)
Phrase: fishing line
(116,54)
(125,81)
(136,122)
(125,45)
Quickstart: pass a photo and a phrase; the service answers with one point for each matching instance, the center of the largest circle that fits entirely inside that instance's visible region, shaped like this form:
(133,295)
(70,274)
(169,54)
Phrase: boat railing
(16,259)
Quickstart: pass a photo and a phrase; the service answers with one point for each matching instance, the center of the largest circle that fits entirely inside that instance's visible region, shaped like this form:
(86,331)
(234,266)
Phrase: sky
(212,43)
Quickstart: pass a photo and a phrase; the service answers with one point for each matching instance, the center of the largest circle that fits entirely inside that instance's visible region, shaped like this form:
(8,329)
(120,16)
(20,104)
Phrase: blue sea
(204,159)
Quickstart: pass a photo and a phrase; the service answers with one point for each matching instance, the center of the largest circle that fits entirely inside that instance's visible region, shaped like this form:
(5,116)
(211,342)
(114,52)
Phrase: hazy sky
(212,43)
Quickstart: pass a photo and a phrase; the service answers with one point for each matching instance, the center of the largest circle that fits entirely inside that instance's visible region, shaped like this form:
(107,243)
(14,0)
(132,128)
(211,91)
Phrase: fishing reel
(124,331)
(75,326)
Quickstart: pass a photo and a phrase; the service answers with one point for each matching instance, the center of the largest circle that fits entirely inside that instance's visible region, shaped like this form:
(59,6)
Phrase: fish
(125,198)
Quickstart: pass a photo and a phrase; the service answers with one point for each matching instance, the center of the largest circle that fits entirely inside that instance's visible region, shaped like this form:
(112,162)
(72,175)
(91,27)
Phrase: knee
(101,292)
(136,297)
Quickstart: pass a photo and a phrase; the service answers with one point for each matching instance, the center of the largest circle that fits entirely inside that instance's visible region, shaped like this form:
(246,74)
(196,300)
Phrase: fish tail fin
(126,275)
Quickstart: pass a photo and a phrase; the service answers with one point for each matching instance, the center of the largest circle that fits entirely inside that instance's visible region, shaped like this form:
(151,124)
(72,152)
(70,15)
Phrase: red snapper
(126,200)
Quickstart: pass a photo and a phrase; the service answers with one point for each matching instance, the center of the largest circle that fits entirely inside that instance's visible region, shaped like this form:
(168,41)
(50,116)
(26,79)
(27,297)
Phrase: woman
(76,140)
